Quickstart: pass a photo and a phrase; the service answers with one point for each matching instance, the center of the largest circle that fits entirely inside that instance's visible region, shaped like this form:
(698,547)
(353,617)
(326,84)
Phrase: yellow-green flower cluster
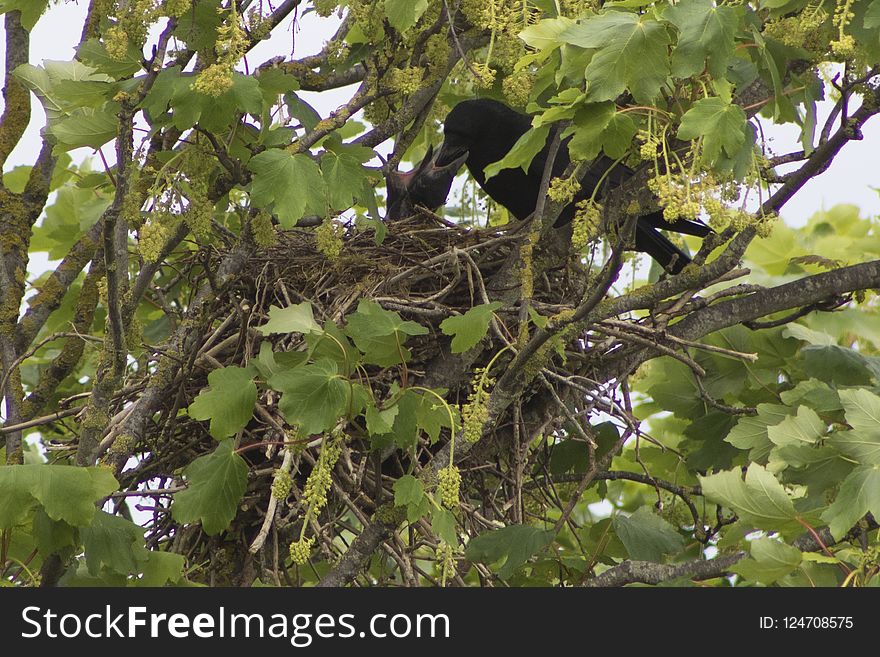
(475,413)
(130,26)
(281,485)
(215,80)
(494,15)
(325,7)
(231,44)
(650,145)
(176,8)
(484,77)
(677,196)
(578,8)
(517,87)
(154,233)
(802,30)
(406,81)
(585,227)
(448,485)
(116,42)
(445,556)
(336,51)
(845,45)
(368,16)
(301,549)
(328,238)
(199,212)
(319,481)
(563,190)
(263,229)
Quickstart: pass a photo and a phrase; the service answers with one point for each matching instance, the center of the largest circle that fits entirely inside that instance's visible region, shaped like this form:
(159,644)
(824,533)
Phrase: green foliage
(512,546)
(215,485)
(646,536)
(631,53)
(759,500)
(291,184)
(64,492)
(468,329)
(403,14)
(766,435)
(228,401)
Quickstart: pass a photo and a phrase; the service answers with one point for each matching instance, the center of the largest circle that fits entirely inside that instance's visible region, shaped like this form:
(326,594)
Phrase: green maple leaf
(721,124)
(345,178)
(65,492)
(409,492)
(31,10)
(403,14)
(314,397)
(380,422)
(113,542)
(380,334)
(228,401)
(215,485)
(297,318)
(599,127)
(516,544)
(859,493)
(470,328)
(523,152)
(706,31)
(291,183)
(805,428)
(760,499)
(632,53)
(647,536)
(770,560)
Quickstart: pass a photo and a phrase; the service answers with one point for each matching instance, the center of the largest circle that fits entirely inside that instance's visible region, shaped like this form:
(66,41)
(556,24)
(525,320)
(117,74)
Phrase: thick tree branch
(645,572)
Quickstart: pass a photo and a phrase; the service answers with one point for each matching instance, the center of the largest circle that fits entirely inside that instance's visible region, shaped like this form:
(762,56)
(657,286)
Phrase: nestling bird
(426,185)
(482,131)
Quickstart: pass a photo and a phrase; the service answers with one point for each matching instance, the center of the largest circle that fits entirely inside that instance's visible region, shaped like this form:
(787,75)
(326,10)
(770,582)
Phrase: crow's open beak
(450,157)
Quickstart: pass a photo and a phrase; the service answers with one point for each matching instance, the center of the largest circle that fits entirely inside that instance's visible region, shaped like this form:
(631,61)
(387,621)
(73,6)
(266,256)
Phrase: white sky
(848,181)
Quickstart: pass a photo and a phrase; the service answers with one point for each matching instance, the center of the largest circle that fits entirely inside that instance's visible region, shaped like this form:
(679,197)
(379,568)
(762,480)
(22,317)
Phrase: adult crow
(484,130)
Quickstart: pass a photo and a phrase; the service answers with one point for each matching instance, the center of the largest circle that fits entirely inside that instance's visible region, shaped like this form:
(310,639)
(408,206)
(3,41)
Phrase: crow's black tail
(649,240)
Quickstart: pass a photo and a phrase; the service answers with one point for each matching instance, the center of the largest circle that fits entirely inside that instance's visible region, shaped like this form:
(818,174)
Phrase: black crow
(426,185)
(484,130)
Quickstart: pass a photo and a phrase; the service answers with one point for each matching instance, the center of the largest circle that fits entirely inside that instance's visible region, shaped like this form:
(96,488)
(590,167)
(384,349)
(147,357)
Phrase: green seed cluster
(448,485)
